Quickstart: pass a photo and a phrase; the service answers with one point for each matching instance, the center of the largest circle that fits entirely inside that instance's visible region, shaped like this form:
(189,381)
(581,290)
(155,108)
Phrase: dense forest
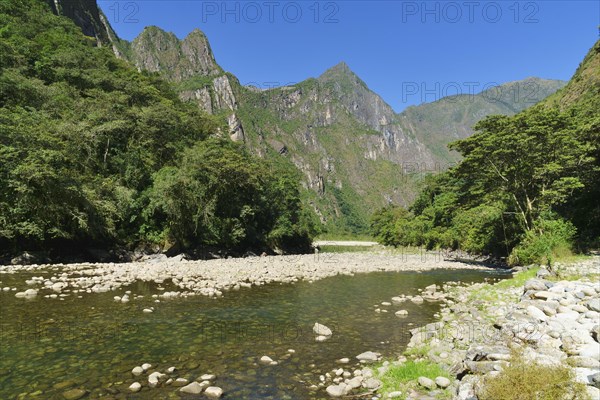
(527,188)
(95,153)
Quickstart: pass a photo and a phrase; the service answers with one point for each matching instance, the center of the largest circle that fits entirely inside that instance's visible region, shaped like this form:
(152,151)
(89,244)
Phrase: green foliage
(479,229)
(93,151)
(527,186)
(382,224)
(550,239)
(526,380)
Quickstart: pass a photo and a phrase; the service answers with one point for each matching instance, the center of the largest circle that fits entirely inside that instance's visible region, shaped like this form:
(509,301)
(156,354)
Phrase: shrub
(549,239)
(525,380)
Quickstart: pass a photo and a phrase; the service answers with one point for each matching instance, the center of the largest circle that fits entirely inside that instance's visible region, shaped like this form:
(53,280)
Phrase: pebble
(266,360)
(74,394)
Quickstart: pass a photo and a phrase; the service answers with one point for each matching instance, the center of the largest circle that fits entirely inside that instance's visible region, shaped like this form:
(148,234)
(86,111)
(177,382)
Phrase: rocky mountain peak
(340,71)
(159,51)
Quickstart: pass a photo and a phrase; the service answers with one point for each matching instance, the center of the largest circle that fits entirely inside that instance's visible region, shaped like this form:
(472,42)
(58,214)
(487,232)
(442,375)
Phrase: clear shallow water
(94,342)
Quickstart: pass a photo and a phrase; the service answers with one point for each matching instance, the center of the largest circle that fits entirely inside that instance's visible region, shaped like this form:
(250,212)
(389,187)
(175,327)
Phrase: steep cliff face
(354,152)
(91,20)
(158,51)
(191,65)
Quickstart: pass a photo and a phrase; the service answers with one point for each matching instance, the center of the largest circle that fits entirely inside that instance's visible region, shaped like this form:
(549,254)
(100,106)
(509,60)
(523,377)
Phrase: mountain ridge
(353,151)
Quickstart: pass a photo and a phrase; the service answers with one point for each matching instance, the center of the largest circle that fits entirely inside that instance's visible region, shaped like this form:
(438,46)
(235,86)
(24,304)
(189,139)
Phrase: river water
(50,345)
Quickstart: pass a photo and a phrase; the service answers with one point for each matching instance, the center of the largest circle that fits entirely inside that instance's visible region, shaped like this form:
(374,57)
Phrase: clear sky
(406,51)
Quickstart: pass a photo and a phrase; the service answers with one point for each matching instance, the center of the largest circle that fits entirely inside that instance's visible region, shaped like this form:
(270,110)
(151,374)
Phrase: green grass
(518,279)
(573,258)
(417,352)
(404,377)
(494,292)
(345,236)
(345,249)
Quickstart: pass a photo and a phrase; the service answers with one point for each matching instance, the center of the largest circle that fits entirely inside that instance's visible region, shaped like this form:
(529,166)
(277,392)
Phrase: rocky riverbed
(552,319)
(213,277)
(160,328)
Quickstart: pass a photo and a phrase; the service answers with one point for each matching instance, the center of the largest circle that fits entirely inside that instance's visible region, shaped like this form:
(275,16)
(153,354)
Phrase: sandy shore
(212,277)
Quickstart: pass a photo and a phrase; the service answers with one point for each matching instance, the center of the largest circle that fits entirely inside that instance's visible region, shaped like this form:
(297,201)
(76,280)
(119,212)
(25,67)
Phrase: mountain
(155,50)
(353,151)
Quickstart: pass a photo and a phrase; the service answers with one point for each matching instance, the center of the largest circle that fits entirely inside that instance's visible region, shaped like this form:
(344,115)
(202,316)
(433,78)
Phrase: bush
(479,229)
(525,380)
(549,239)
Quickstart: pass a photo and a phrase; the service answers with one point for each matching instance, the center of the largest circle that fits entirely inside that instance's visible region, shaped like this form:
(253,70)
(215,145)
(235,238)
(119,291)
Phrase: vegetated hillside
(96,154)
(527,187)
(453,117)
(354,152)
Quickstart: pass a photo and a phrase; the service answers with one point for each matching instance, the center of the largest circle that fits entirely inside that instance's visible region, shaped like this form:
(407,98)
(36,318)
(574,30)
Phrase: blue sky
(406,51)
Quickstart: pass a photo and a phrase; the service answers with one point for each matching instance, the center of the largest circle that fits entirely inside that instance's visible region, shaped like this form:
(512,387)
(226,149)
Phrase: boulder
(442,382)
(372,384)
(192,388)
(213,391)
(336,390)
(594,305)
(426,383)
(368,356)
(321,330)
(135,387)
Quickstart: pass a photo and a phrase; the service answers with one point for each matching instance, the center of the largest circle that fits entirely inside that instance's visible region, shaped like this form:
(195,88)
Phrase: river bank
(73,338)
(535,336)
(213,277)
(479,331)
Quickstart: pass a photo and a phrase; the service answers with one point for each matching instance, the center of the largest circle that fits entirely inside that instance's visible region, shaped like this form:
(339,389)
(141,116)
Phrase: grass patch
(518,279)
(345,236)
(524,380)
(404,376)
(345,249)
(493,292)
(573,258)
(417,352)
